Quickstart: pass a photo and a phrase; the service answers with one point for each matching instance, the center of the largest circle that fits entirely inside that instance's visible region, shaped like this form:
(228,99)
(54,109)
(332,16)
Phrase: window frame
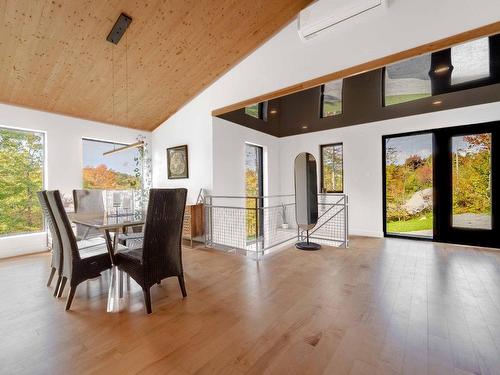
(322,177)
(321,99)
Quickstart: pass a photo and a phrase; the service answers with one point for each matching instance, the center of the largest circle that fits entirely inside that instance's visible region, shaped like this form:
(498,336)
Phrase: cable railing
(255,226)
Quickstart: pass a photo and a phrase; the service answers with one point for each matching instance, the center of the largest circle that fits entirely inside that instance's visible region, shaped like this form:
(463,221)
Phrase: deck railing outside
(257,225)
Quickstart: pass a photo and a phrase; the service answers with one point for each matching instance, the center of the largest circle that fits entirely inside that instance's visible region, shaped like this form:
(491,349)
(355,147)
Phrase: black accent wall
(363,101)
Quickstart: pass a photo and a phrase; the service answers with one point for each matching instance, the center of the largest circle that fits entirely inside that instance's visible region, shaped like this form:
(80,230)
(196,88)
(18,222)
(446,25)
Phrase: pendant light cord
(113,72)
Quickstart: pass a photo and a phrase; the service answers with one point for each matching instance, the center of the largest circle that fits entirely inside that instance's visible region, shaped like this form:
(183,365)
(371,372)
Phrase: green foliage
(397,99)
(404,180)
(333,174)
(424,222)
(332,108)
(252,190)
(21,177)
(252,110)
(472,176)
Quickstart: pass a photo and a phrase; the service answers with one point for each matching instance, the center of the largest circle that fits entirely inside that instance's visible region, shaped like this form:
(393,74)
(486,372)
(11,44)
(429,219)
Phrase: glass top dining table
(111,225)
(108,221)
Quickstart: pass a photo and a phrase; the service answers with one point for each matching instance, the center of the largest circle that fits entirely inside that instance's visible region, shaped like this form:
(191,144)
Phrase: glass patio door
(469,189)
(408,185)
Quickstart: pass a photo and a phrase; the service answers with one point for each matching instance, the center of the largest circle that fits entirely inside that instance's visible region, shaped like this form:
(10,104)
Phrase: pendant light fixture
(114,36)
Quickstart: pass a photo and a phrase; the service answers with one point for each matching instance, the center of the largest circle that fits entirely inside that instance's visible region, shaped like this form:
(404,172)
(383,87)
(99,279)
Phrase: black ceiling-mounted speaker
(119,28)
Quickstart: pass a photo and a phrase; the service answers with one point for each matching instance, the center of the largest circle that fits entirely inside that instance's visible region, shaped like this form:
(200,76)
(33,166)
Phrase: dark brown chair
(160,256)
(78,264)
(56,261)
(88,201)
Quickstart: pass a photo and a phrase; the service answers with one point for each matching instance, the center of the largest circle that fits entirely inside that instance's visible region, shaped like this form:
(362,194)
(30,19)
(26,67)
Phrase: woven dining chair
(161,254)
(88,201)
(56,248)
(78,264)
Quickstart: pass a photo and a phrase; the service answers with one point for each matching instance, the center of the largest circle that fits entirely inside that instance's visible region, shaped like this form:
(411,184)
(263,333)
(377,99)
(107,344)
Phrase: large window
(409,185)
(254,185)
(407,80)
(21,177)
(471,61)
(331,98)
(117,171)
(332,168)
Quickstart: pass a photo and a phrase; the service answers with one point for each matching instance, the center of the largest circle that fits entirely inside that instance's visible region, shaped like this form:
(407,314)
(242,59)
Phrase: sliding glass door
(443,185)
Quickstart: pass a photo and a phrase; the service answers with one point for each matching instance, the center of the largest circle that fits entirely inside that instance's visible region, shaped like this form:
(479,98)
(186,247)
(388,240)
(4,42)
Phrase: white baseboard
(366,233)
(23,244)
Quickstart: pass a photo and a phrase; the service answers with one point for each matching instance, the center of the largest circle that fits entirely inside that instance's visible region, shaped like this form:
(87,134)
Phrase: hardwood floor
(383,306)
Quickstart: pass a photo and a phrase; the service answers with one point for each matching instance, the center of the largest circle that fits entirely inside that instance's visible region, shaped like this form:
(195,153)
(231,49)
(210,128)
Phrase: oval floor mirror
(306,198)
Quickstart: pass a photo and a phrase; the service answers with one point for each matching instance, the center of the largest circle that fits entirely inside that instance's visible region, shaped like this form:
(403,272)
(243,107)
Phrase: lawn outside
(421,223)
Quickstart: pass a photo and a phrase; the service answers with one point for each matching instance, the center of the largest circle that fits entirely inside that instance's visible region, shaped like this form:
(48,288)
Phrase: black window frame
(442,187)
(322,177)
(321,100)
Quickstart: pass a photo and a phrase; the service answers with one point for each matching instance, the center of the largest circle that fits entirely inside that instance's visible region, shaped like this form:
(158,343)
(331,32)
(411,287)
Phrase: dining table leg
(115,293)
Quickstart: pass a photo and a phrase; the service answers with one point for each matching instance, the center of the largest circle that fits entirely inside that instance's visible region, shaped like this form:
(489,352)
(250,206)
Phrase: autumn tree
(21,177)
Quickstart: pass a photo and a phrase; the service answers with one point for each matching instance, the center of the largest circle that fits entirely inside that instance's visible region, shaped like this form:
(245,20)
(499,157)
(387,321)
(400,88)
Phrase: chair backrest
(90,201)
(163,233)
(68,240)
(54,232)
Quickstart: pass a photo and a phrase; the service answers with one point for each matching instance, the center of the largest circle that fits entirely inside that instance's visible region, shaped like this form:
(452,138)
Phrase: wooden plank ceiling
(54,55)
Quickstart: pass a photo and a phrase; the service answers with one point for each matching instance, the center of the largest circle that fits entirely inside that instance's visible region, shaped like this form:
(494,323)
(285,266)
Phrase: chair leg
(182,285)
(61,288)
(57,285)
(147,300)
(120,284)
(52,273)
(70,297)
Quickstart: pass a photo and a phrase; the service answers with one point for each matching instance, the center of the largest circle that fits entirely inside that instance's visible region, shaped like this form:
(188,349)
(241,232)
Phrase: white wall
(229,158)
(363,157)
(191,126)
(63,140)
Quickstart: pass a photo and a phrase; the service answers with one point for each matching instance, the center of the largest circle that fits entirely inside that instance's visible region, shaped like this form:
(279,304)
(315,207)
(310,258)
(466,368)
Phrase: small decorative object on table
(177,162)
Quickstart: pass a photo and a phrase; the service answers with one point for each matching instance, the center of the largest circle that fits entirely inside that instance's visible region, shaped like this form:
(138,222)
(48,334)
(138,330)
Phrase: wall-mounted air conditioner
(326,13)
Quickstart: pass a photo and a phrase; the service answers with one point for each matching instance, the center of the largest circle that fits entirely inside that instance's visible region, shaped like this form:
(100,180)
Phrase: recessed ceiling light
(304,126)
(273,111)
(441,69)
(437,102)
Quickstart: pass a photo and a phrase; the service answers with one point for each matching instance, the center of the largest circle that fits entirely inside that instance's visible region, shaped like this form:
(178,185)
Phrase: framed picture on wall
(177,162)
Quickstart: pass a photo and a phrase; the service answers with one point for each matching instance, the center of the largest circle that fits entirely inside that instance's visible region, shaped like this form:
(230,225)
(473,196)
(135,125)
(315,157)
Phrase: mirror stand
(306,198)
(308,246)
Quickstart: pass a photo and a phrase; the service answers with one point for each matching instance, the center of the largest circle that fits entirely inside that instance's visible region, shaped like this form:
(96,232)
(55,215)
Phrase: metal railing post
(257,227)
(346,221)
(210,219)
